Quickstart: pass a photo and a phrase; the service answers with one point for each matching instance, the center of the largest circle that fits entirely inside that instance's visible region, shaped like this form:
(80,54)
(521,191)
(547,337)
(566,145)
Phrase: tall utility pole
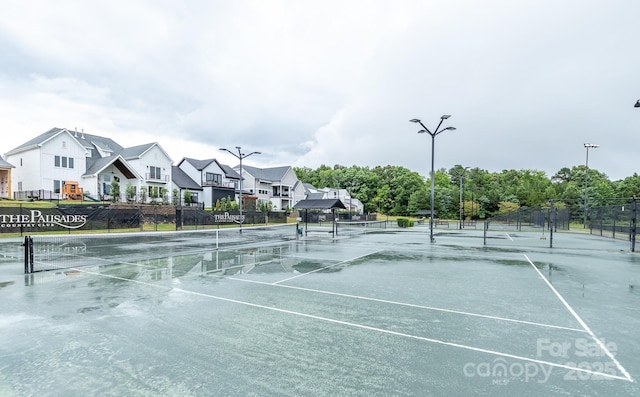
(586,180)
(433,139)
(461,175)
(240,156)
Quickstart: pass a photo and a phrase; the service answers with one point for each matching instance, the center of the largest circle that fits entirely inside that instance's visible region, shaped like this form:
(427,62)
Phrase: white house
(217,180)
(153,165)
(353,204)
(46,162)
(279,185)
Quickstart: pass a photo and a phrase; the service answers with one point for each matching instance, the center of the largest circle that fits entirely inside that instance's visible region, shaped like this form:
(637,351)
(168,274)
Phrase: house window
(64,144)
(213,179)
(154,191)
(62,161)
(154,172)
(56,186)
(194,198)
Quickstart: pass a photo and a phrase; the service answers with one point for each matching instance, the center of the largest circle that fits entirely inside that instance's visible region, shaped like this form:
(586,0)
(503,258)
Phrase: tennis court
(357,314)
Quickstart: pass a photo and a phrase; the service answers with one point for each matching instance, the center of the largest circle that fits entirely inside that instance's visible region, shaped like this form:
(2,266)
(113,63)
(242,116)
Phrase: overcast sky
(306,83)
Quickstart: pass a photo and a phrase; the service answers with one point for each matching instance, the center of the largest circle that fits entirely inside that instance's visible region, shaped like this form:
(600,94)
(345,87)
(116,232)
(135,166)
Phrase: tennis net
(358,227)
(52,252)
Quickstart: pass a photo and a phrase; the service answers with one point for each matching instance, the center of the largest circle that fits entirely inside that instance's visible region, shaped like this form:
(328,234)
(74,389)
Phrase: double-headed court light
(433,136)
(239,156)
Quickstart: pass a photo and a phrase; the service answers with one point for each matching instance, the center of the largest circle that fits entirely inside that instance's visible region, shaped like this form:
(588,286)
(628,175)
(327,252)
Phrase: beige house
(5,178)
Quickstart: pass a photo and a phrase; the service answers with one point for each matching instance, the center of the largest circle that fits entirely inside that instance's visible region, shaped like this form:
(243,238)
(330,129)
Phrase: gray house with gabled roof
(59,155)
(217,180)
(279,185)
(181,183)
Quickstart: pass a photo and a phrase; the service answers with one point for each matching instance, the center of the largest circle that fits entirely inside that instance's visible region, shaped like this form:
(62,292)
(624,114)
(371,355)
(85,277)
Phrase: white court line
(582,323)
(507,234)
(412,305)
(366,327)
(329,266)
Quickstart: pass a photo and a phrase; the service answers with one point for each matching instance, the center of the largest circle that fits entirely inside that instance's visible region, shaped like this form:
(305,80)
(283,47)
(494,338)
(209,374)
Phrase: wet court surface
(377,314)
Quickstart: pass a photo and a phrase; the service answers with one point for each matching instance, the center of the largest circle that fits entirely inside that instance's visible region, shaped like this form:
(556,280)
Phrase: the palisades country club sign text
(36,218)
(226,217)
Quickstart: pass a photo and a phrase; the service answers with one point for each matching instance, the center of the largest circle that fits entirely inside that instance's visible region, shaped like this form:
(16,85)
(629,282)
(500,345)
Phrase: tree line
(395,190)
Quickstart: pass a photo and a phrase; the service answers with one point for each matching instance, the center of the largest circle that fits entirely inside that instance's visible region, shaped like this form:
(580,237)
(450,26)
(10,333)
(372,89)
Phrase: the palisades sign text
(36,218)
(226,217)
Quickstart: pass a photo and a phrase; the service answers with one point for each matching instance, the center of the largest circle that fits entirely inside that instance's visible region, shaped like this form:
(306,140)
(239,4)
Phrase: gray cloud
(526,83)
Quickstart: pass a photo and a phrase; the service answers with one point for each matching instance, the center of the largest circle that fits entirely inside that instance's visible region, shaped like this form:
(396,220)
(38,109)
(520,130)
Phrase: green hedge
(405,222)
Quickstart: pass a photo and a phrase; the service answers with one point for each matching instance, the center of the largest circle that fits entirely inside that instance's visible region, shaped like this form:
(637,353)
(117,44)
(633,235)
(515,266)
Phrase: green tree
(265,205)
(114,189)
(175,197)
(419,200)
(505,206)
(164,194)
(130,193)
(627,187)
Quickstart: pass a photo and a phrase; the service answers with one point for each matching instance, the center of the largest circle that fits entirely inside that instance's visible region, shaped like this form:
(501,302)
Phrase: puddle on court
(262,260)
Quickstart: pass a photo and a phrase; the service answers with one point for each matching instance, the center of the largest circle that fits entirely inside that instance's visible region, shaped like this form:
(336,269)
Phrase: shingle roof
(198,164)
(323,204)
(86,140)
(100,164)
(182,180)
(267,174)
(135,151)
(202,164)
(315,196)
(229,172)
(4,164)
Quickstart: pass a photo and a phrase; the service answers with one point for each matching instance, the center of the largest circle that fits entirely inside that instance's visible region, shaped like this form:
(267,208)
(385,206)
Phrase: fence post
(21,223)
(551,223)
(633,225)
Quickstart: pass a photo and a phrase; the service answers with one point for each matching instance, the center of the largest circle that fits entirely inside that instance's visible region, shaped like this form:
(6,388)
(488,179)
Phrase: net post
(485,227)
(26,254)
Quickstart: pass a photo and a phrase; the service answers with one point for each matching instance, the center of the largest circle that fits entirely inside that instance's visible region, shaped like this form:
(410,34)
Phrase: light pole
(586,180)
(240,156)
(461,175)
(433,139)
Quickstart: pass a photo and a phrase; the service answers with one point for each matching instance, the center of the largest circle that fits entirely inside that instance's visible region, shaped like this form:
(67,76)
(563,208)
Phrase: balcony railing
(156,178)
(218,184)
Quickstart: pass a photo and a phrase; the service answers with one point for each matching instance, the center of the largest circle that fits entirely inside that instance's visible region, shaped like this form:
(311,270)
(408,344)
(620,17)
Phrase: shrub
(405,222)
